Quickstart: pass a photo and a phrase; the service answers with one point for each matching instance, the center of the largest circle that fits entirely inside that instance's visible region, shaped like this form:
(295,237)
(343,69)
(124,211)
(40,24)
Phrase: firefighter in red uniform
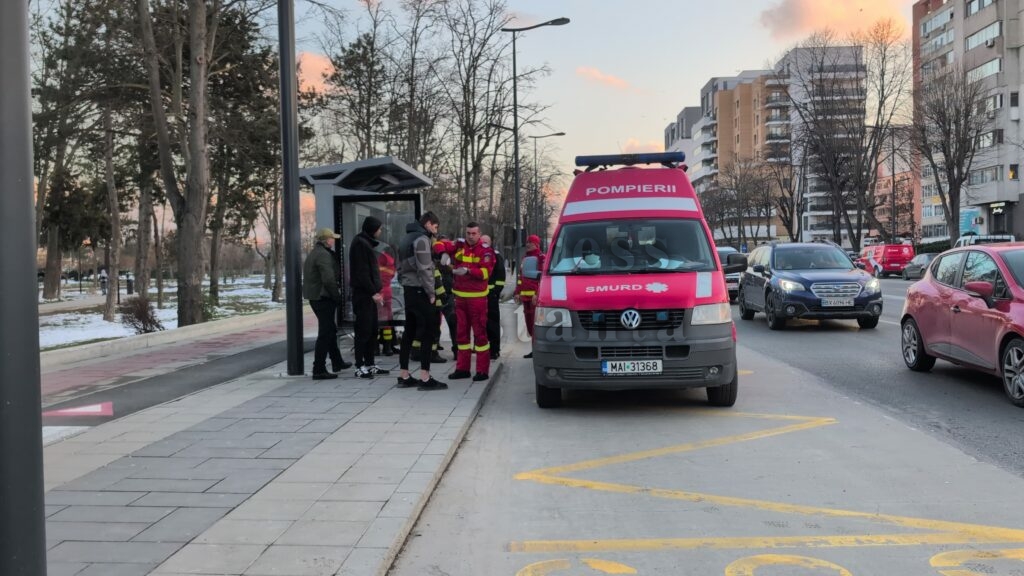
(385,313)
(472,264)
(527,282)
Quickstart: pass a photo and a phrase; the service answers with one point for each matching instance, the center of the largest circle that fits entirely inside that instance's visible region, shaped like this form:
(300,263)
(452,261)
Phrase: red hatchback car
(969,309)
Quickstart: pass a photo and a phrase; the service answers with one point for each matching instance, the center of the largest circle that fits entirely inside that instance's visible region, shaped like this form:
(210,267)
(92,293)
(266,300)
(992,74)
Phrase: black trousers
(494,321)
(326,335)
(366,327)
(420,325)
(448,313)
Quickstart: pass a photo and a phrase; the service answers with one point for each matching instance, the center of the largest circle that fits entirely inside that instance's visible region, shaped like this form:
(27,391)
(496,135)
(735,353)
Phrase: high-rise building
(983,37)
(679,134)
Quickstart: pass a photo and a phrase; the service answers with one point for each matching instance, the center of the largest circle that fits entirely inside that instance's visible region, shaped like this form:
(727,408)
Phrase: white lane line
(891,297)
(889,322)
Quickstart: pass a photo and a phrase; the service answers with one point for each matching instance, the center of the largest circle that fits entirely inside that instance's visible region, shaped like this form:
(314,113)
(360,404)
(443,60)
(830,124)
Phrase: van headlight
(711,314)
(872,286)
(552,317)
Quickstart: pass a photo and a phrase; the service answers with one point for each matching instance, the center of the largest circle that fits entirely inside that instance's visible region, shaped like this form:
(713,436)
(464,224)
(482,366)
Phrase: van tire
(724,396)
(745,313)
(548,397)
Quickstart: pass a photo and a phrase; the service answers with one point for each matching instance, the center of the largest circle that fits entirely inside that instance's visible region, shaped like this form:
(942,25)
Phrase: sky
(621,71)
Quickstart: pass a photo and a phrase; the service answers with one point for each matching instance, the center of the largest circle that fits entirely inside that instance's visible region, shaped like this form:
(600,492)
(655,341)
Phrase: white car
(732,281)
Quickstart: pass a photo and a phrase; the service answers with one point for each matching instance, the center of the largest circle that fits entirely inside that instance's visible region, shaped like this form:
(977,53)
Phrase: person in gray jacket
(416,274)
(320,287)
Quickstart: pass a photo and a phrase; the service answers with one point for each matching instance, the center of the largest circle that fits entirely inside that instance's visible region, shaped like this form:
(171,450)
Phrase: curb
(59,357)
(396,547)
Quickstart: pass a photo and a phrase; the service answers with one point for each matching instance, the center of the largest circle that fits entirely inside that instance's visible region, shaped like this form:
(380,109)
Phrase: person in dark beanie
(364,274)
(320,287)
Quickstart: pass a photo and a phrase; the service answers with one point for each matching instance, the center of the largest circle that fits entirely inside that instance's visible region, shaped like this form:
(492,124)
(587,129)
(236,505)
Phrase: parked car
(972,239)
(808,280)
(916,267)
(732,281)
(969,310)
(885,259)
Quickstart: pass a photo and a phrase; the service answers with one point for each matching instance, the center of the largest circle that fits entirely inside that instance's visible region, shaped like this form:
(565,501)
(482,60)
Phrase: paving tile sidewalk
(266,474)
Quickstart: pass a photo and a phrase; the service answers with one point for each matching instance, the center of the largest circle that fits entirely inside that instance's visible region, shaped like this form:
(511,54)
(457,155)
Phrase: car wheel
(868,323)
(905,276)
(912,345)
(724,396)
(771,313)
(548,397)
(745,313)
(1013,371)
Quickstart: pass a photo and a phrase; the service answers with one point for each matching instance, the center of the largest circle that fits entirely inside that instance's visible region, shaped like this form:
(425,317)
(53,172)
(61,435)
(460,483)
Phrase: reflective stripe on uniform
(486,273)
(499,283)
(462,294)
(465,346)
(463,257)
(528,293)
(483,348)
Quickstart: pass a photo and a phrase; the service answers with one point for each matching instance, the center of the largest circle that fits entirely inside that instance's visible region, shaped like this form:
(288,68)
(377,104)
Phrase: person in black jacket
(364,278)
(495,284)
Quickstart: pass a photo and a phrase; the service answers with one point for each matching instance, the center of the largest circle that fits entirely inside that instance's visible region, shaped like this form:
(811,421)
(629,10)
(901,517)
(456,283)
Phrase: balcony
(777,138)
(778,80)
(777,120)
(777,102)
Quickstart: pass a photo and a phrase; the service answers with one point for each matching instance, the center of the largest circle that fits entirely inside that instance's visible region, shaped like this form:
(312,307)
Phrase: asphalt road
(800,477)
(957,405)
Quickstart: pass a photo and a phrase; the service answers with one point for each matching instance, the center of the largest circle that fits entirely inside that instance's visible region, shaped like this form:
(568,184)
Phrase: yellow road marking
(745,372)
(543,568)
(608,567)
(747,566)
(938,532)
(958,558)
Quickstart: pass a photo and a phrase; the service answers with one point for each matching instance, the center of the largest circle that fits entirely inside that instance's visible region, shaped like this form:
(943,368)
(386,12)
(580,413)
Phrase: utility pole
(22,520)
(290,198)
(892,170)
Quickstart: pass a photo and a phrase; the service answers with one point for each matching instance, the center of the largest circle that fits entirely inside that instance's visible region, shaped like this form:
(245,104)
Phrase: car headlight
(790,286)
(872,286)
(711,314)
(552,317)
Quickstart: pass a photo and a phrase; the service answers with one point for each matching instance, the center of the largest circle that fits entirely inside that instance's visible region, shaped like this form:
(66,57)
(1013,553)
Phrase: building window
(934,230)
(984,176)
(990,32)
(1014,99)
(1014,173)
(985,70)
(975,6)
(938,21)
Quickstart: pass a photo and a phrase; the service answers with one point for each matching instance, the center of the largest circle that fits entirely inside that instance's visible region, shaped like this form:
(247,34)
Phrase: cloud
(595,75)
(635,146)
(312,69)
(791,19)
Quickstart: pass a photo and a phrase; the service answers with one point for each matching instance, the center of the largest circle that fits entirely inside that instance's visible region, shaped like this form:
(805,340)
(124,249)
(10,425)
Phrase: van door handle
(955,309)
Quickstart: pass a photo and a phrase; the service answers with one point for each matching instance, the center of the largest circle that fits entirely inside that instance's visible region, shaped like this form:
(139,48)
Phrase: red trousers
(528,309)
(471,314)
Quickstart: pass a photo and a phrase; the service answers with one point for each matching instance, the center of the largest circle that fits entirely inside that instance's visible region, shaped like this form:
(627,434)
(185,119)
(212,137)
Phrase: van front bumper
(686,363)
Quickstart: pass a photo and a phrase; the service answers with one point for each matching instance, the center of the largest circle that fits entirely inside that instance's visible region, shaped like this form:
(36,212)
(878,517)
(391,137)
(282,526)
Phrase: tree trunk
(158,251)
(51,281)
(216,231)
(114,214)
(142,236)
(276,252)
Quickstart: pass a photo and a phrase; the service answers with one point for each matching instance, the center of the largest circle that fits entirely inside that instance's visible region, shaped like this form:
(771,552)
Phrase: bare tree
(950,115)
(847,95)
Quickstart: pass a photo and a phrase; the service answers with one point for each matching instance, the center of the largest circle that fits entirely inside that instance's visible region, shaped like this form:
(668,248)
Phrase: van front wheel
(548,397)
(724,396)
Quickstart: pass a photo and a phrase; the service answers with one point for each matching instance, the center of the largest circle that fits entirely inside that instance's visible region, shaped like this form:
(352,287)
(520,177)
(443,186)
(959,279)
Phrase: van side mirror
(860,265)
(758,269)
(984,290)
(735,263)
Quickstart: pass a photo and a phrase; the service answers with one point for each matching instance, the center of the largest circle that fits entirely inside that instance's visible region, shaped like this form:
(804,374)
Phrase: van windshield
(631,247)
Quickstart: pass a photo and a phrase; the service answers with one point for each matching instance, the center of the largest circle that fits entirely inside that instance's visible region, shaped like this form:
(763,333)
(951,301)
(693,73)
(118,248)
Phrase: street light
(515,122)
(536,177)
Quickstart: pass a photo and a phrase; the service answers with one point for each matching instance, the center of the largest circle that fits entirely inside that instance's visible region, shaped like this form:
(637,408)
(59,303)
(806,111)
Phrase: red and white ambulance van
(633,295)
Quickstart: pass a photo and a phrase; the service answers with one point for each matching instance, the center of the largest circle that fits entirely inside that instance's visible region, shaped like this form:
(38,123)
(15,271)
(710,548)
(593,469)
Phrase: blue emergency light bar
(666,158)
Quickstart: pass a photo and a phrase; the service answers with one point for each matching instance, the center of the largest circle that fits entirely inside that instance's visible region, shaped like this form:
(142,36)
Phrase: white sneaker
(375,371)
(362,372)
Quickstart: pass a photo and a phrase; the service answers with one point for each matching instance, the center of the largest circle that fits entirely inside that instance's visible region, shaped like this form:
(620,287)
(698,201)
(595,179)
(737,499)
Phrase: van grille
(836,290)
(651,352)
(649,319)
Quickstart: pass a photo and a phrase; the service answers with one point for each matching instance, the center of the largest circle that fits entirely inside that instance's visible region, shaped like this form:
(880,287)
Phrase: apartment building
(984,37)
(679,134)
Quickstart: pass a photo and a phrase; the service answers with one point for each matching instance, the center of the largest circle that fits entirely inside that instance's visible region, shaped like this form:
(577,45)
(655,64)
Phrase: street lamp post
(515,123)
(536,179)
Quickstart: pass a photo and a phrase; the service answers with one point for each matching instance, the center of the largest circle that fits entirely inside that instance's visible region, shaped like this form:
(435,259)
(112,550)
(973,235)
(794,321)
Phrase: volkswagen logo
(630,319)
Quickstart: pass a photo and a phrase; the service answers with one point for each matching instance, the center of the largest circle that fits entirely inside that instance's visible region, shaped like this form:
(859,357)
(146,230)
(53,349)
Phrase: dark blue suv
(808,280)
